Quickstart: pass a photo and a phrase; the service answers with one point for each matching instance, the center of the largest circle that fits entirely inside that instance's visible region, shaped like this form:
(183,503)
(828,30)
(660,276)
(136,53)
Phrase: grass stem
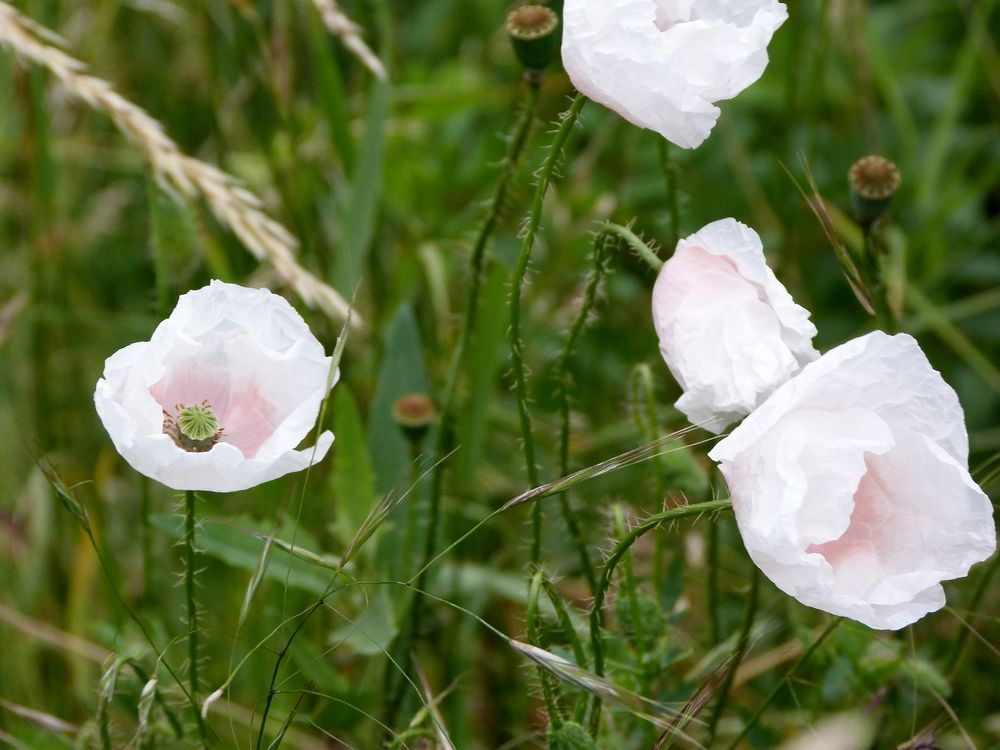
(737,658)
(776,690)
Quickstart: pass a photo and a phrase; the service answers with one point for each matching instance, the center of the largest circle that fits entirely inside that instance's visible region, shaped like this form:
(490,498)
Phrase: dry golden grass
(338,24)
(230,201)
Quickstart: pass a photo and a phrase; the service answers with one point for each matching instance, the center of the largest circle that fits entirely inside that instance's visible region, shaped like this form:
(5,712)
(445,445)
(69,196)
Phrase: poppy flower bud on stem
(532,34)
(414,413)
(874,180)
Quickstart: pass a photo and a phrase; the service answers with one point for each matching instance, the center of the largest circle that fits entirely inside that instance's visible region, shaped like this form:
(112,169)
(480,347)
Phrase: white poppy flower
(662,63)
(851,485)
(221,394)
(729,331)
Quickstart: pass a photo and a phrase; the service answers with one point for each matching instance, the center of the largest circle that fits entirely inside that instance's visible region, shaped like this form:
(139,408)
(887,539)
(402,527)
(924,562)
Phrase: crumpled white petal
(851,487)
(729,331)
(252,357)
(661,64)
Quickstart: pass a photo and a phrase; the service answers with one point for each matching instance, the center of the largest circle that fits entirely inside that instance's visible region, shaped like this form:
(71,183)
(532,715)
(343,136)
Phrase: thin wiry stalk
(68,499)
(597,609)
(643,397)
(566,623)
(958,645)
(630,588)
(651,450)
(636,704)
(349,33)
(634,456)
(516,143)
(563,378)
(534,636)
(765,704)
(545,175)
(230,201)
(713,583)
(332,376)
(371,523)
(192,604)
(556,665)
(691,709)
(741,649)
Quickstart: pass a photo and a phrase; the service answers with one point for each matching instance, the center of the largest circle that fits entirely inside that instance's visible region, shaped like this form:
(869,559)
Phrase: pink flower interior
(246,417)
(893,530)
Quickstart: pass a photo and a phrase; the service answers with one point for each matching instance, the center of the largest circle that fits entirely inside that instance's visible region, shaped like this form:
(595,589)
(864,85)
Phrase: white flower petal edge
(252,357)
(662,63)
(729,331)
(851,487)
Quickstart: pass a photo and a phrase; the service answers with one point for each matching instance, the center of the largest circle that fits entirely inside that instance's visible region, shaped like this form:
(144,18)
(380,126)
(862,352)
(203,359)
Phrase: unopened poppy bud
(532,34)
(414,413)
(874,180)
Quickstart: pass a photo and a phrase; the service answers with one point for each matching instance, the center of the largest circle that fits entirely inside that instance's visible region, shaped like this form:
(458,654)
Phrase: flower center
(195,428)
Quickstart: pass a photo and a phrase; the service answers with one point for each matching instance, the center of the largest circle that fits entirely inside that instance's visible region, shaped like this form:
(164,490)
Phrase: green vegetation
(387,597)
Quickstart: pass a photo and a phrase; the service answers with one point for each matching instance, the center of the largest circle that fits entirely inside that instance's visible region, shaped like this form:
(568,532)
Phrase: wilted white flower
(729,331)
(221,394)
(851,485)
(662,63)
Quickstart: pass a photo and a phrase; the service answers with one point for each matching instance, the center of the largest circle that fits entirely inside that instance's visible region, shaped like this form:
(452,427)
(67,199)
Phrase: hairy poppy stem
(597,609)
(545,175)
(563,377)
(192,606)
(516,143)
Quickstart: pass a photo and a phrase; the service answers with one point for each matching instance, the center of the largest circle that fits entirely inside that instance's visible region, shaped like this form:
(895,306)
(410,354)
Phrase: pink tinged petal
(193,381)
(249,420)
(252,357)
(728,331)
(867,446)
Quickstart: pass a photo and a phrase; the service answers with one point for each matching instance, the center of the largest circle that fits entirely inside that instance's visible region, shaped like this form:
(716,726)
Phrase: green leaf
(484,358)
(174,241)
(366,191)
(329,88)
(353,476)
(402,372)
(373,630)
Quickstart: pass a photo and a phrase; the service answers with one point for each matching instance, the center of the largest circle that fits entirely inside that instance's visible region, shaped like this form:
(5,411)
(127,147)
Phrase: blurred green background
(385,182)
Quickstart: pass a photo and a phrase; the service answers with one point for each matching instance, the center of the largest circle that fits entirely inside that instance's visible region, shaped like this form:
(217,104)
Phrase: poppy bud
(532,34)
(414,413)
(874,180)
